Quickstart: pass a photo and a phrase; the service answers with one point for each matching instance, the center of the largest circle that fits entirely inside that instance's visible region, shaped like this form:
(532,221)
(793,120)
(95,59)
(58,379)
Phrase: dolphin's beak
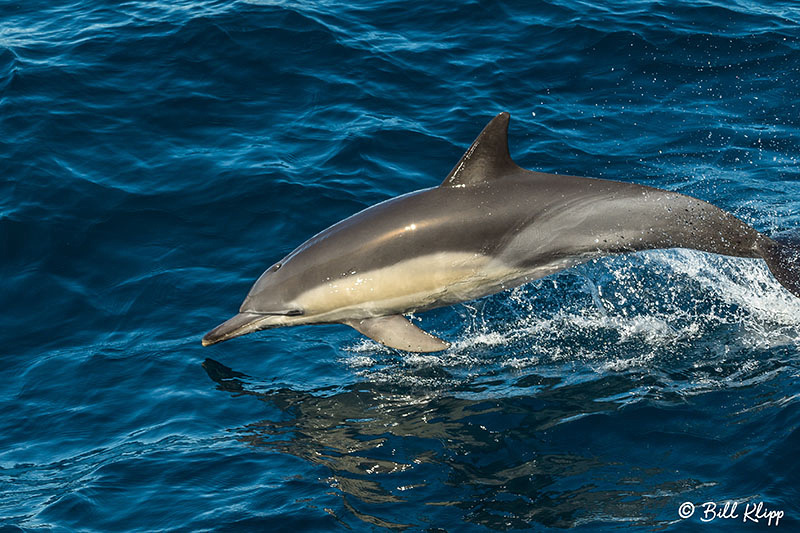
(238,325)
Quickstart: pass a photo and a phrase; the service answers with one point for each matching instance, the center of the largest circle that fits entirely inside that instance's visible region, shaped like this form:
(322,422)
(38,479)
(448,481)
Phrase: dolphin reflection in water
(530,457)
(491,225)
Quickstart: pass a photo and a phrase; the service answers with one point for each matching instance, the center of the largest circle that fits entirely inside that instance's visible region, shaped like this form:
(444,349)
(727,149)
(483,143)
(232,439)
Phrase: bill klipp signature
(752,512)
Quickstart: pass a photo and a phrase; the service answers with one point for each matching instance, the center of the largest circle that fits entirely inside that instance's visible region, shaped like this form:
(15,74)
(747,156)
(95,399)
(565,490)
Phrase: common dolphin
(491,225)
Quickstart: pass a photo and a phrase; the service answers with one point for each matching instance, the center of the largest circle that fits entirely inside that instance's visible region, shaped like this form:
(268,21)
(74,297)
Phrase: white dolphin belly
(417,284)
(413,284)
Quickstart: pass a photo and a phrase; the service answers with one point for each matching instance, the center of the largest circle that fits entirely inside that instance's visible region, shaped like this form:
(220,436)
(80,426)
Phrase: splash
(711,319)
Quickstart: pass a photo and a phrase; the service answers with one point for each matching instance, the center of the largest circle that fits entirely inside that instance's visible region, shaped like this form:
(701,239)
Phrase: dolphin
(491,225)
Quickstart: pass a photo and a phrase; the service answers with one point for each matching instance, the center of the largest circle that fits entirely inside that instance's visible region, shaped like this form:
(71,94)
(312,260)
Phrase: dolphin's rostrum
(491,225)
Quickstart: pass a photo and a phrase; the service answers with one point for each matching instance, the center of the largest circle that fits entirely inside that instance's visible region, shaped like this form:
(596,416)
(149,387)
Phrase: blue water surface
(158,156)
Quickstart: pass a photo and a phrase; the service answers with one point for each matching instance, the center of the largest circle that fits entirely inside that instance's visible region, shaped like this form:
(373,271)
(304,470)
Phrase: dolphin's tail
(782,255)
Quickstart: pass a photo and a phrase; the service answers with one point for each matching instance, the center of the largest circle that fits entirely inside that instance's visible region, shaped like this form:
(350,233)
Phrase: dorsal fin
(487,159)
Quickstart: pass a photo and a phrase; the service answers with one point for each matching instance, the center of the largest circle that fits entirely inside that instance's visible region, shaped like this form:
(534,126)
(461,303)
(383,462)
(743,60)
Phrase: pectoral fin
(397,332)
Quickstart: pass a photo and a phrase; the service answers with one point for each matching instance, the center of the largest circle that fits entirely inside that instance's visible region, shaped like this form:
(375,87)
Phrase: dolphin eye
(276,267)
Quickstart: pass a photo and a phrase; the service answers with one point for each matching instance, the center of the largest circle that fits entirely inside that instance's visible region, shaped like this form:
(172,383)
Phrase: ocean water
(158,156)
